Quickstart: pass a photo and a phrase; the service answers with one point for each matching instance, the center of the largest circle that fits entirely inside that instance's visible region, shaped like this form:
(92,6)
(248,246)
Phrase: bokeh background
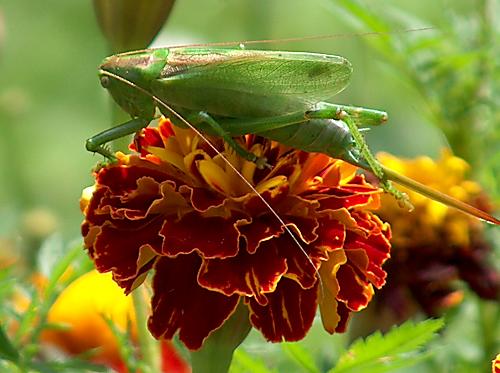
(51,99)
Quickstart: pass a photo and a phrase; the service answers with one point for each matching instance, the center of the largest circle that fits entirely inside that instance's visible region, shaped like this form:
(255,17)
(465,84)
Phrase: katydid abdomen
(327,136)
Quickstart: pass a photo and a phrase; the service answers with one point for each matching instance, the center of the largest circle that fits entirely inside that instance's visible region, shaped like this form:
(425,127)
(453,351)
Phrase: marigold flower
(179,209)
(435,245)
(495,366)
(83,308)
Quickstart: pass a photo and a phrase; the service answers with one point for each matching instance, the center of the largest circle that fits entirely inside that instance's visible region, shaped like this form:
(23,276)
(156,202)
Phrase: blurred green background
(51,100)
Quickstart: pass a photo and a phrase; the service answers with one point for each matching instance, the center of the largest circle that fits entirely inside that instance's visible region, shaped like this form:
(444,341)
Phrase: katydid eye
(105,81)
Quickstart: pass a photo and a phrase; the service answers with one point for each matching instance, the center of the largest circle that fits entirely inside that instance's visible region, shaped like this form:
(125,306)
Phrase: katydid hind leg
(360,115)
(386,175)
(359,156)
(96,144)
(352,116)
(370,163)
(244,126)
(436,195)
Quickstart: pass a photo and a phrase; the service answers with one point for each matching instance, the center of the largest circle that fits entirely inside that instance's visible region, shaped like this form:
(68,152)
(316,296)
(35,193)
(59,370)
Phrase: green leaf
(301,356)
(363,14)
(34,318)
(67,366)
(51,251)
(245,363)
(7,350)
(399,348)
(123,338)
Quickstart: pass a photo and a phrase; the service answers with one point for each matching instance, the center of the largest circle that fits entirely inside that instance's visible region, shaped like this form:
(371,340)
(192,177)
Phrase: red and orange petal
(495,366)
(177,208)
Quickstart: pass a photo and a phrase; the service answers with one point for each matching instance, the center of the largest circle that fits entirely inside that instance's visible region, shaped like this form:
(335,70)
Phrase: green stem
(217,351)
(14,164)
(149,348)
(488,317)
(481,117)
(468,134)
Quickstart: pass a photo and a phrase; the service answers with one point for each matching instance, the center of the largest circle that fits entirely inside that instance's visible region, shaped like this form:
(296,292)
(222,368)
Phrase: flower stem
(149,348)
(217,351)
(489,315)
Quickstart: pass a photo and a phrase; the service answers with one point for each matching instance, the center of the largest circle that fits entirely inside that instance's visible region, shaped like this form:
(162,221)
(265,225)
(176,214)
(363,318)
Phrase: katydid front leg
(96,143)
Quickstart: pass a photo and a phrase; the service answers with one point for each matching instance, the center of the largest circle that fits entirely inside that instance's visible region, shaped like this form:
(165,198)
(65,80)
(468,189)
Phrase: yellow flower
(446,175)
(83,307)
(435,245)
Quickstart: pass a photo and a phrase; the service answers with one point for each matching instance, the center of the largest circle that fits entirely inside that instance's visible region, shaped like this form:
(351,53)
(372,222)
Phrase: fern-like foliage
(401,347)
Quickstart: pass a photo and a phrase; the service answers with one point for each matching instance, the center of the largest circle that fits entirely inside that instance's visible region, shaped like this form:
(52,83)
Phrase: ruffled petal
(289,314)
(178,301)
(212,237)
(253,275)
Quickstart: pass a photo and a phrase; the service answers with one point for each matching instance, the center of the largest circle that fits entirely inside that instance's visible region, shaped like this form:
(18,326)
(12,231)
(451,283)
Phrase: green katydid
(230,92)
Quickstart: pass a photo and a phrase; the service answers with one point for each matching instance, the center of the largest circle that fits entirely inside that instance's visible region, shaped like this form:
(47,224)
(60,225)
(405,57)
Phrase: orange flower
(83,308)
(495,366)
(179,209)
(435,245)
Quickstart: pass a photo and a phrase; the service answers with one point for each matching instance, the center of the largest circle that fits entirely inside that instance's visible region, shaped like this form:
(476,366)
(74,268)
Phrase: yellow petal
(83,306)
(215,176)
(329,288)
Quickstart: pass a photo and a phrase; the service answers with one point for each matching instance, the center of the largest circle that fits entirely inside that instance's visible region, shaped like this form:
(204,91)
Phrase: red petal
(331,234)
(345,315)
(375,245)
(203,199)
(147,137)
(180,304)
(354,292)
(259,229)
(254,205)
(341,200)
(172,361)
(122,179)
(117,249)
(289,314)
(165,128)
(133,282)
(302,265)
(212,237)
(264,227)
(252,275)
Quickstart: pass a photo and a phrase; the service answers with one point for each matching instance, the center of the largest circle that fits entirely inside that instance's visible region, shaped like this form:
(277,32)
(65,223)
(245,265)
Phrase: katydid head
(126,76)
